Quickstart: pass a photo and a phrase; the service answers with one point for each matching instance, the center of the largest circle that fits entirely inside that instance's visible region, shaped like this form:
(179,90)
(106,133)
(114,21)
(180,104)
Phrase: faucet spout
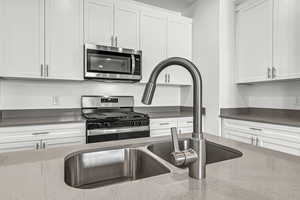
(197,168)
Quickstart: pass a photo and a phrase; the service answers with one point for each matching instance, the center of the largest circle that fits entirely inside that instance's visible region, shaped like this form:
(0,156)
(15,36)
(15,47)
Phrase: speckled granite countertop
(259,175)
(263,115)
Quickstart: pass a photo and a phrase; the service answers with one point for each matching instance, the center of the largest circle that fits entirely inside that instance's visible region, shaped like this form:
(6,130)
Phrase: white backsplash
(30,94)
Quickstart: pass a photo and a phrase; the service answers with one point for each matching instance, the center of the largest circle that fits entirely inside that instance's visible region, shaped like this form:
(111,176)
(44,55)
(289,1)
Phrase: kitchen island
(259,174)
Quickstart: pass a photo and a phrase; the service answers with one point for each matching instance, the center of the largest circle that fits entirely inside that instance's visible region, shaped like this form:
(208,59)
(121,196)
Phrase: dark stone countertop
(264,115)
(10,118)
(166,111)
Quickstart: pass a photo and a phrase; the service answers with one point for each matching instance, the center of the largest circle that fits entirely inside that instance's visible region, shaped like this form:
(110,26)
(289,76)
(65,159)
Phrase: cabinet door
(239,136)
(99,21)
(280,145)
(287,42)
(179,45)
(127,22)
(20,146)
(254,41)
(153,43)
(64,39)
(21,38)
(52,143)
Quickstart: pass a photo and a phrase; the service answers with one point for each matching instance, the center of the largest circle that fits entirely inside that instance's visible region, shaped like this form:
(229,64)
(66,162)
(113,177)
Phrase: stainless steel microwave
(112,63)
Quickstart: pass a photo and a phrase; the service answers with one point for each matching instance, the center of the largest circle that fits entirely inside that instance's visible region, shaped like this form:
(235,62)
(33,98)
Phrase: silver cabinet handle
(43,145)
(116,41)
(168,78)
(269,73)
(162,124)
(255,129)
(42,70)
(40,133)
(112,40)
(273,72)
(37,146)
(47,71)
(256,141)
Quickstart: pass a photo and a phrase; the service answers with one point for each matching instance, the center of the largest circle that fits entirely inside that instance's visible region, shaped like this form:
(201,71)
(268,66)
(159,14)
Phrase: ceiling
(176,5)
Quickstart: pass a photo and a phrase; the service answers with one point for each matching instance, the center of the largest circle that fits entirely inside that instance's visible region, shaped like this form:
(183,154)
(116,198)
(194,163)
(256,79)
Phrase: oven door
(121,133)
(111,63)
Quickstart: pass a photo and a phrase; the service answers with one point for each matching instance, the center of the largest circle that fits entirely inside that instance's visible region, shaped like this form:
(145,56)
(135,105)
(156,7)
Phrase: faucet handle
(175,139)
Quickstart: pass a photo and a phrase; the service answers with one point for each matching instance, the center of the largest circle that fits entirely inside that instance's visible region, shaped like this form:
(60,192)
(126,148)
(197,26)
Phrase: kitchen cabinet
(153,43)
(41,39)
(41,137)
(162,127)
(64,39)
(127,26)
(112,23)
(275,137)
(179,45)
(21,38)
(99,22)
(286,39)
(172,37)
(254,42)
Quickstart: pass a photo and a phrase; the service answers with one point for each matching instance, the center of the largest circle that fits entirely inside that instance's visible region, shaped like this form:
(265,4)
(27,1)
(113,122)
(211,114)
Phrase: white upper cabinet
(287,41)
(179,45)
(112,23)
(127,26)
(162,37)
(64,39)
(99,22)
(21,38)
(41,39)
(254,42)
(153,42)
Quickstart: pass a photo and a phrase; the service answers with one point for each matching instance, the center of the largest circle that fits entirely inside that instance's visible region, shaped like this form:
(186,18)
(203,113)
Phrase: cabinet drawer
(185,122)
(163,123)
(160,132)
(22,133)
(51,143)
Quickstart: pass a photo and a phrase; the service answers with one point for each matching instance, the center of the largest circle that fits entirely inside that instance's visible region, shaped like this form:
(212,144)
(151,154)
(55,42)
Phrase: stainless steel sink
(214,152)
(99,168)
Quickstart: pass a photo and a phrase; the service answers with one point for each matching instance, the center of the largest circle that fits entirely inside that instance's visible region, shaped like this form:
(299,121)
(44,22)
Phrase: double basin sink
(92,169)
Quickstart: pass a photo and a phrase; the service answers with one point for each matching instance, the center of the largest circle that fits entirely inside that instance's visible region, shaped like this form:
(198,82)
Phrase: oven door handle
(96,132)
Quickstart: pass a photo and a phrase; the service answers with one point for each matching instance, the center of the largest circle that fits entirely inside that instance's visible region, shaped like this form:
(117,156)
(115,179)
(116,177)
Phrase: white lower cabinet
(41,137)
(276,137)
(162,126)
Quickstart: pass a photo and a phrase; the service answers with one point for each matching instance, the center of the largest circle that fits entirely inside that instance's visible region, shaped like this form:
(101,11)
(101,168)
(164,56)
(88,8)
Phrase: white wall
(231,95)
(281,95)
(29,94)
(205,15)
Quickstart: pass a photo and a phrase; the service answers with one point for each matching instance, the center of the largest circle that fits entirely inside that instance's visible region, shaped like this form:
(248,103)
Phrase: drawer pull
(40,133)
(189,122)
(163,124)
(255,129)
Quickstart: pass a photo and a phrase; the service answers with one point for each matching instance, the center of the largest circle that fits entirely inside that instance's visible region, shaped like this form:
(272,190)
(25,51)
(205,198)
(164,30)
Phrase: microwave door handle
(133,64)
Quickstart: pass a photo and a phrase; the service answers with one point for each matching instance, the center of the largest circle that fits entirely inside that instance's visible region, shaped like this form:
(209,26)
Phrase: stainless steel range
(113,118)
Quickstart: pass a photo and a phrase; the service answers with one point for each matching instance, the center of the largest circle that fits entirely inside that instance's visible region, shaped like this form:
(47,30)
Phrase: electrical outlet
(55,100)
